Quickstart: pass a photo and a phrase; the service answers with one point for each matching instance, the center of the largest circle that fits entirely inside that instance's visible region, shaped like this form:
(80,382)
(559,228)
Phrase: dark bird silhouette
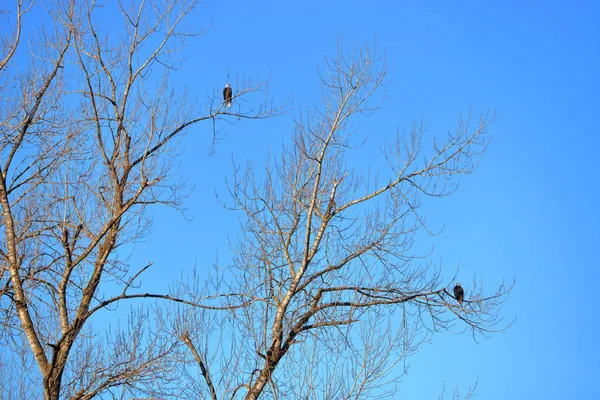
(459,293)
(227,95)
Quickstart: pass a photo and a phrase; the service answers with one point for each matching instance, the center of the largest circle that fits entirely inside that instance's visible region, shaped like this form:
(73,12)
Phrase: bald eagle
(459,293)
(227,95)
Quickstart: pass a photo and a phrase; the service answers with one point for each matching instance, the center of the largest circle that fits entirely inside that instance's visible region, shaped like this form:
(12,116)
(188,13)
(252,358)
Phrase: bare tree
(88,121)
(335,295)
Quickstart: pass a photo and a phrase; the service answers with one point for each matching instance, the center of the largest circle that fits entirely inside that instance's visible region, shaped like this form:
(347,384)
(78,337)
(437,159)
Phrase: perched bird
(459,293)
(227,95)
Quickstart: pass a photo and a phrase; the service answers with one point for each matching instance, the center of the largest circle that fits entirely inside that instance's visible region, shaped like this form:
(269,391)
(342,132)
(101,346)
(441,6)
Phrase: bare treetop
(326,261)
(88,122)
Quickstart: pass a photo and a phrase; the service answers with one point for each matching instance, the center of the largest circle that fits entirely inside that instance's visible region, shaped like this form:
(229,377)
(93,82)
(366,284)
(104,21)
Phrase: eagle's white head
(457,283)
(227,85)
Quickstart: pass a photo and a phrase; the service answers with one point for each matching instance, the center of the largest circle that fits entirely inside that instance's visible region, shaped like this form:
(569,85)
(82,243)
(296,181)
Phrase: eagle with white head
(227,95)
(459,293)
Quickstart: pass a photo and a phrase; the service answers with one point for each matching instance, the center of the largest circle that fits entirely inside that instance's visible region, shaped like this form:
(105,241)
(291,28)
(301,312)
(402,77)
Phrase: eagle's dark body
(227,95)
(459,293)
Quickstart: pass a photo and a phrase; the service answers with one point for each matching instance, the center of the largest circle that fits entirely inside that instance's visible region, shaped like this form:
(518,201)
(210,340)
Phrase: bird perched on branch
(459,293)
(227,95)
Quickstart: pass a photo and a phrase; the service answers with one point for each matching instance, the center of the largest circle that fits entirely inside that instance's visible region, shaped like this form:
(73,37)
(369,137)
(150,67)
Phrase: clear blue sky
(530,211)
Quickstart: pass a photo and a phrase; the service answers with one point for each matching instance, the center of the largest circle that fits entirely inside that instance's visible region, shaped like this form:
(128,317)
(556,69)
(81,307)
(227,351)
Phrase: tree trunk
(51,388)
